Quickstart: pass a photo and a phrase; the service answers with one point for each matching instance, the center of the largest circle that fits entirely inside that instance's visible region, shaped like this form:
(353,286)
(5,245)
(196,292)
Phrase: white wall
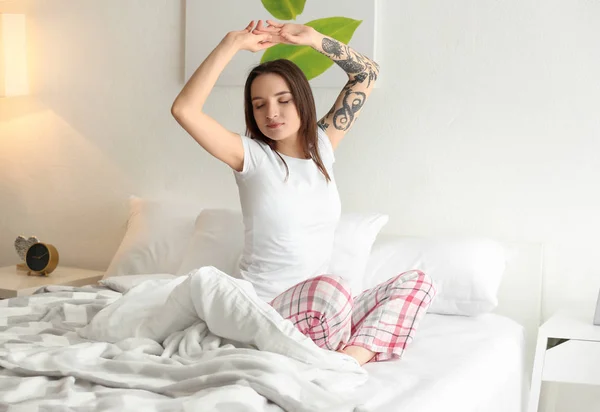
(486,123)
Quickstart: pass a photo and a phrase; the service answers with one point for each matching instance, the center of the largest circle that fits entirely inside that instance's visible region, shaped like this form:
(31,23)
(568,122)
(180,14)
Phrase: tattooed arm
(362,73)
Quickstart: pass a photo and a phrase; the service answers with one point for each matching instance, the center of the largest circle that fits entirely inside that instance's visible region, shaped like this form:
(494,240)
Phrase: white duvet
(205,339)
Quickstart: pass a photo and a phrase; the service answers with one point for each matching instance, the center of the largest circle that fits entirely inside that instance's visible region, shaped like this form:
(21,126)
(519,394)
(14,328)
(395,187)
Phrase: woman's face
(274,108)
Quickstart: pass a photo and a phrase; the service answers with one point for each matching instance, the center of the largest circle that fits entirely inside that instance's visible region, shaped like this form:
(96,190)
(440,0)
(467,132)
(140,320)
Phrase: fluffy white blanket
(204,341)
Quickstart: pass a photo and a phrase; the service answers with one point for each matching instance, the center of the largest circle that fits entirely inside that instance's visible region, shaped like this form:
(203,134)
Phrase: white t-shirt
(289,225)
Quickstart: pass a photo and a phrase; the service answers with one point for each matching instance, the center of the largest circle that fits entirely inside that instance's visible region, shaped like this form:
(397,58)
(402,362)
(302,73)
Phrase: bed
(469,364)
(456,363)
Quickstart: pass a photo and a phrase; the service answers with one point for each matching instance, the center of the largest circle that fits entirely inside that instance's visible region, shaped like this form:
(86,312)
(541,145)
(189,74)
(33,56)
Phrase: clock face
(37,257)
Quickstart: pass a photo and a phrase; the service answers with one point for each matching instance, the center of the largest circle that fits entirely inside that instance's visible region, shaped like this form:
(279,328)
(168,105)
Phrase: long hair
(305,104)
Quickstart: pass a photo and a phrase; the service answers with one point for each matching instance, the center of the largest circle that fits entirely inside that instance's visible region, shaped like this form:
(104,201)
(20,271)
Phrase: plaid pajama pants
(383,319)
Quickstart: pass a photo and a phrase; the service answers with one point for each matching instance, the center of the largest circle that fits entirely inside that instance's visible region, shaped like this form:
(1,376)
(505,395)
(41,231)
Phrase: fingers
(261,33)
(265,45)
(265,37)
(274,24)
(267,29)
(261,27)
(249,26)
(262,45)
(287,36)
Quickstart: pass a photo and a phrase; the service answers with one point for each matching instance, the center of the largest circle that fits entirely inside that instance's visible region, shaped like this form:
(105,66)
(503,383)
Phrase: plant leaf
(284,9)
(310,61)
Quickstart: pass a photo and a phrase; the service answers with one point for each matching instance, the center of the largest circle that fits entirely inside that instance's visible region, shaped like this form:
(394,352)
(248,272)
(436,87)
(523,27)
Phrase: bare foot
(359,353)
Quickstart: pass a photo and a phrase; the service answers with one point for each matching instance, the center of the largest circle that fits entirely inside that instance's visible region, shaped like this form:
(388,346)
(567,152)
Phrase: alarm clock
(41,259)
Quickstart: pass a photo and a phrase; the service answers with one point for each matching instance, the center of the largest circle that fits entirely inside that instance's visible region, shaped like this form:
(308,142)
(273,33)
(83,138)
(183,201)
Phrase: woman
(288,195)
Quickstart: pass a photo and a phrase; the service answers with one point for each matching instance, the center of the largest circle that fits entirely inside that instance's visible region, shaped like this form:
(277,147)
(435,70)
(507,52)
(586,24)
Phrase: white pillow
(354,237)
(466,271)
(124,283)
(158,232)
(218,241)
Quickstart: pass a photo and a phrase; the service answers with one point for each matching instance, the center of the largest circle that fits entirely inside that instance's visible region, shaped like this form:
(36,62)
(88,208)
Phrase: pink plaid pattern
(320,308)
(383,319)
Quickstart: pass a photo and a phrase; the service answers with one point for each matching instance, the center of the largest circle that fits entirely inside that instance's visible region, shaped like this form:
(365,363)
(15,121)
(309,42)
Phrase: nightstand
(15,282)
(568,350)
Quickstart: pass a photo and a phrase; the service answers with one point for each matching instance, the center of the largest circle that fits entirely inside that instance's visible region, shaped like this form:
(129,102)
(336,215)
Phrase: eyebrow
(276,94)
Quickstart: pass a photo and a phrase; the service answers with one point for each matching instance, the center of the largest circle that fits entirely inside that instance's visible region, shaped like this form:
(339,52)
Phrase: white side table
(568,350)
(15,282)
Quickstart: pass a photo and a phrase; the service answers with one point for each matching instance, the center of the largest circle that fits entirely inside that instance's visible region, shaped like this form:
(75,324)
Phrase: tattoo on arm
(358,66)
(359,69)
(324,125)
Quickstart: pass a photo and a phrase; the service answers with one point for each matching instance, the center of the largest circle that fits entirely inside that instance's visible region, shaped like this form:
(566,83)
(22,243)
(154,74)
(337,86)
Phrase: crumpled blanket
(201,342)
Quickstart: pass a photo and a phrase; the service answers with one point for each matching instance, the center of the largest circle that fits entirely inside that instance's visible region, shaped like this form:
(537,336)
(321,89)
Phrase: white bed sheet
(454,364)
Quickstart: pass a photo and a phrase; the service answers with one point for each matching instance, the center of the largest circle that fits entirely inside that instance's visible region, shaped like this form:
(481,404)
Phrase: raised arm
(362,73)
(188,106)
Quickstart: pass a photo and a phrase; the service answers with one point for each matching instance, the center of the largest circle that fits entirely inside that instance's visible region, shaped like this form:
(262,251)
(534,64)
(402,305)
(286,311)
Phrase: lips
(274,125)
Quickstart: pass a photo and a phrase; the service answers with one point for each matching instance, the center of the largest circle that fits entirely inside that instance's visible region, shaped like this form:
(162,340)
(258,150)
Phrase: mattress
(454,364)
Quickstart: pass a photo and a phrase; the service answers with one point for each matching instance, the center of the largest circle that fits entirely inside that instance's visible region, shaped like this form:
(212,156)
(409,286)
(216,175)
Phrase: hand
(287,33)
(247,40)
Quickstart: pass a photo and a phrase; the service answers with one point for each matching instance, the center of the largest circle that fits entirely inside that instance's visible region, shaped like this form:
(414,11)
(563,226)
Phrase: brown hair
(305,104)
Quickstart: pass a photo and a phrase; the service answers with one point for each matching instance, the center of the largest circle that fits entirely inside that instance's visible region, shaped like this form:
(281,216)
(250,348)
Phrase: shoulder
(253,144)
(255,153)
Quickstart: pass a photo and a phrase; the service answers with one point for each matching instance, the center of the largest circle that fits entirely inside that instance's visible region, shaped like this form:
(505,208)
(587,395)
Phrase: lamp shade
(13,55)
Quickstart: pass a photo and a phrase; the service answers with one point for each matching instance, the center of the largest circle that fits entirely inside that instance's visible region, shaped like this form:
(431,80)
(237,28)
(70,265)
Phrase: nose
(271,114)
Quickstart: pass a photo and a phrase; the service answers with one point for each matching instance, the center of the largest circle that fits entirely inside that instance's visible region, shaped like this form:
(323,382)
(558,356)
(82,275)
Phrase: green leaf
(308,59)
(284,9)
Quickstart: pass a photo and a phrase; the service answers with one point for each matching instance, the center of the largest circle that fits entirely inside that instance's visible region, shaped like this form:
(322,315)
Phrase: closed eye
(261,105)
